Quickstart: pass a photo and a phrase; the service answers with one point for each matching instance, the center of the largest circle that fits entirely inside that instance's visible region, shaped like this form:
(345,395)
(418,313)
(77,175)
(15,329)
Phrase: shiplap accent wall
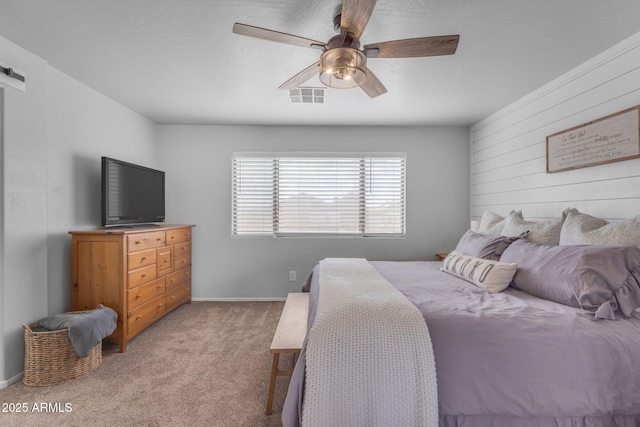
(508,149)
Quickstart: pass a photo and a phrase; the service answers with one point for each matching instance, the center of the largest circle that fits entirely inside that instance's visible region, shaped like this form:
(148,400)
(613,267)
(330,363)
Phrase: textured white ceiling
(177,61)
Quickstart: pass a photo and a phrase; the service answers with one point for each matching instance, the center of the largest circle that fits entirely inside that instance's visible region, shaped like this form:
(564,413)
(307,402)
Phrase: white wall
(197,161)
(509,147)
(53,136)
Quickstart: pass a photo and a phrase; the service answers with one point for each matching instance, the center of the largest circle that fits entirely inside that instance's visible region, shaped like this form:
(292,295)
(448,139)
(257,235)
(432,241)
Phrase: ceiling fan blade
(275,36)
(301,77)
(413,48)
(355,16)
(372,86)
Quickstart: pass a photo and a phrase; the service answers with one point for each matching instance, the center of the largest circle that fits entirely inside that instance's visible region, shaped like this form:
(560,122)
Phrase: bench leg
(272,383)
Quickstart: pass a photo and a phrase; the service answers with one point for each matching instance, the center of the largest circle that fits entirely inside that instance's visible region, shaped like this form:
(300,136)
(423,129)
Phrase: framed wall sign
(610,139)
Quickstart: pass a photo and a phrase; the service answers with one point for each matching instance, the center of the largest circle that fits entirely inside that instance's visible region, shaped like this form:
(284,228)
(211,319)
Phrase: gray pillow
(583,229)
(601,279)
(544,232)
(481,246)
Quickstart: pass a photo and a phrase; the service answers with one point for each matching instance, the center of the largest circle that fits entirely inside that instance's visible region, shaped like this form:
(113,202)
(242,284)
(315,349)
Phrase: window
(318,194)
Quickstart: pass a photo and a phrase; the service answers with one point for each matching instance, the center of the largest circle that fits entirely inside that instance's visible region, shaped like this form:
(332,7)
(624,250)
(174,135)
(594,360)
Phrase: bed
(551,355)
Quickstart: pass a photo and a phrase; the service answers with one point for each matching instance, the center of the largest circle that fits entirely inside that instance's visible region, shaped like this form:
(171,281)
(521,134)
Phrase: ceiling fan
(342,63)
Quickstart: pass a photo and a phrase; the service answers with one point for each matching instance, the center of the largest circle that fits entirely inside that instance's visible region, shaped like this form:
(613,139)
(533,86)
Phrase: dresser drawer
(145,293)
(178,295)
(142,275)
(142,241)
(141,259)
(182,249)
(144,315)
(183,261)
(165,260)
(178,277)
(178,235)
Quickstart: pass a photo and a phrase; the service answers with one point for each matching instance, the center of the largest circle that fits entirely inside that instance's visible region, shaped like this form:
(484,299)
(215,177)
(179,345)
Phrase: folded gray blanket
(86,328)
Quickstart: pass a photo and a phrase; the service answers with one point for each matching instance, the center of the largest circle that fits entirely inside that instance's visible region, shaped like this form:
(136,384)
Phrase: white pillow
(491,224)
(583,229)
(543,233)
(492,276)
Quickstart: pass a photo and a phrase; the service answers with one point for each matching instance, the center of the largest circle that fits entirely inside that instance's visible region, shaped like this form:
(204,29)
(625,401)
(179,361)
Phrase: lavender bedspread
(512,359)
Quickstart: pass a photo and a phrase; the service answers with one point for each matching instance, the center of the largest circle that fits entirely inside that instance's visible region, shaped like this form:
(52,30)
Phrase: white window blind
(328,194)
(384,195)
(253,194)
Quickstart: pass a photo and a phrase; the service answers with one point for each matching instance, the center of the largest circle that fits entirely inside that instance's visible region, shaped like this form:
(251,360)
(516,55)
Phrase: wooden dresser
(141,273)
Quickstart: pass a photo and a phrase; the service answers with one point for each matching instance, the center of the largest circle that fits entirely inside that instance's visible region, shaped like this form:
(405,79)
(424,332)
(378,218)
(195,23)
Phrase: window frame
(275,157)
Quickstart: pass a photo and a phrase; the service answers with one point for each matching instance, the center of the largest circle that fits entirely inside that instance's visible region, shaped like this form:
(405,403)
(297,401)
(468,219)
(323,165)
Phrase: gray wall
(24,236)
(83,126)
(197,160)
(53,136)
(509,147)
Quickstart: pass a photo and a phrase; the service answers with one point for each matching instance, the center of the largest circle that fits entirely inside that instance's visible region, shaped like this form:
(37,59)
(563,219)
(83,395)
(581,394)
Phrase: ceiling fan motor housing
(337,41)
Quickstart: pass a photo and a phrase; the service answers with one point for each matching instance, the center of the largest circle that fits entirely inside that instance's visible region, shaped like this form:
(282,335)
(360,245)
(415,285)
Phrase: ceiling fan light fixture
(343,68)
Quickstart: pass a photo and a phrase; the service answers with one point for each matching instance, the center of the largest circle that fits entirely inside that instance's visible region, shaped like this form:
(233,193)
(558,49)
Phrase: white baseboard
(234,299)
(15,379)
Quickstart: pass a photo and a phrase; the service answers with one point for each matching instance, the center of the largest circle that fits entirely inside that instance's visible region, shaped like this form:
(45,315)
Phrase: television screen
(131,194)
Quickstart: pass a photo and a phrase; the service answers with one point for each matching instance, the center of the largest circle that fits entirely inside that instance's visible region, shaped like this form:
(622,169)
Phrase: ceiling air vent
(307,95)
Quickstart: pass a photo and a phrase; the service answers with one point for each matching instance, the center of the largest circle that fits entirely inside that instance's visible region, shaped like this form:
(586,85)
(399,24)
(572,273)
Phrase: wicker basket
(49,357)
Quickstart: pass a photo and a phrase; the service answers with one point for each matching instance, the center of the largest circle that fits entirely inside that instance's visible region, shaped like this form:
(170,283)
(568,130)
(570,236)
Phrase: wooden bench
(288,338)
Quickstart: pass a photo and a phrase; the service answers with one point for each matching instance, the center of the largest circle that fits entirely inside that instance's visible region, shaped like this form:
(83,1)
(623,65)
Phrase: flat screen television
(131,194)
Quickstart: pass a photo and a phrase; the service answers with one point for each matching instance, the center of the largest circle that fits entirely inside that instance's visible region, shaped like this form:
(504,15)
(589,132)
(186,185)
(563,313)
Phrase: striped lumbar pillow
(492,276)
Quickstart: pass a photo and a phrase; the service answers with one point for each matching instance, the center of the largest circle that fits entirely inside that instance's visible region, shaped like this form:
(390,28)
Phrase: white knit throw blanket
(369,355)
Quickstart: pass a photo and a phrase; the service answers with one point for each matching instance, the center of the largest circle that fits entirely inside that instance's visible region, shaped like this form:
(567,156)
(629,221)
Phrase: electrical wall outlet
(292,276)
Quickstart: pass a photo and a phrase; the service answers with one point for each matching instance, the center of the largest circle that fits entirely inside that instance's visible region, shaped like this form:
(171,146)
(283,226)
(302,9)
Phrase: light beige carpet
(204,364)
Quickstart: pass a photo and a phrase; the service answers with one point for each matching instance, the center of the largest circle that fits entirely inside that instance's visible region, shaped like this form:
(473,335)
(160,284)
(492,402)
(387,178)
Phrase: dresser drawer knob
(143,276)
(144,258)
(139,295)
